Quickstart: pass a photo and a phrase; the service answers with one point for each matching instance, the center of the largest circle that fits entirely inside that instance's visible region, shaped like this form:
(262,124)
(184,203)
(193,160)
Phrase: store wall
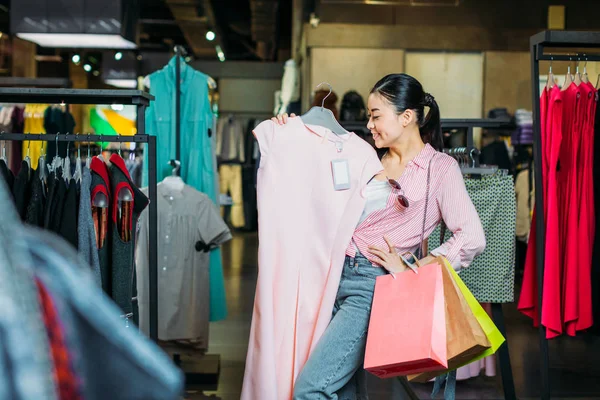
(352,69)
(454,79)
(507,81)
(242,95)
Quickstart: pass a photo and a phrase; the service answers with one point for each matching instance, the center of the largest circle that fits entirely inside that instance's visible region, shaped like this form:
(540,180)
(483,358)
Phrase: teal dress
(197,149)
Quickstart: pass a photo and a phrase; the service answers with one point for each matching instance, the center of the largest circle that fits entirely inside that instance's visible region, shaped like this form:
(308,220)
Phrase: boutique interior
(130,184)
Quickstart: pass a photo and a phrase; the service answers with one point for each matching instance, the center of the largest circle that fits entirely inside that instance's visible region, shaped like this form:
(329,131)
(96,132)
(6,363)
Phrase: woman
(416,179)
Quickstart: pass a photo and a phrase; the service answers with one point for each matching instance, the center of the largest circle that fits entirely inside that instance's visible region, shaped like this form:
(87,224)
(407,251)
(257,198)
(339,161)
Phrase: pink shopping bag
(407,329)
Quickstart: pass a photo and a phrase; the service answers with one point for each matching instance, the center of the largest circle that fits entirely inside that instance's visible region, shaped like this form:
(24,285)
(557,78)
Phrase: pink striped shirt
(448,200)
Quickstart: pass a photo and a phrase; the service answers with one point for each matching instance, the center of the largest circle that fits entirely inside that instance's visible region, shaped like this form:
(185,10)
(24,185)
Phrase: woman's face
(385,124)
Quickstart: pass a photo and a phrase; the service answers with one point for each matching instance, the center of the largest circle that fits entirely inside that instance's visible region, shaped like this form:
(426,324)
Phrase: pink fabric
(305,227)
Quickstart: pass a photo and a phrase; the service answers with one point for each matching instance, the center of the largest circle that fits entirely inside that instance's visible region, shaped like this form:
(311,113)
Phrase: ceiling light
(188,59)
(87,67)
(210,36)
(220,53)
(89,41)
(96,73)
(118,55)
(76,58)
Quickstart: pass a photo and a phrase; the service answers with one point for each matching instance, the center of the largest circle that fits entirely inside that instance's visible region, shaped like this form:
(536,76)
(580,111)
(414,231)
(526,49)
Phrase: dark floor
(575,362)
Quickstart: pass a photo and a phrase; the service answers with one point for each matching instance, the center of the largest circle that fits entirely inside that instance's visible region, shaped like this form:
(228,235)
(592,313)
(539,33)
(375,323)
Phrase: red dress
(586,213)
(528,303)
(551,301)
(575,105)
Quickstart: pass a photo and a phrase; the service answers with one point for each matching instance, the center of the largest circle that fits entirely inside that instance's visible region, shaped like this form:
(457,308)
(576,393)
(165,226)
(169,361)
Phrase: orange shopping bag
(407,329)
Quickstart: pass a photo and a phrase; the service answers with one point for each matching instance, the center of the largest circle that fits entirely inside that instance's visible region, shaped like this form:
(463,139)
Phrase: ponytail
(431,128)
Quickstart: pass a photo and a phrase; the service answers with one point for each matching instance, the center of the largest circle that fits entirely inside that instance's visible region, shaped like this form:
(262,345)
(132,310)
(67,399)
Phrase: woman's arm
(461,218)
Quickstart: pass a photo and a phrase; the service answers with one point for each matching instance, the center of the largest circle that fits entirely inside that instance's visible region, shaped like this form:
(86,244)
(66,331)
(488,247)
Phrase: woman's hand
(388,259)
(282,119)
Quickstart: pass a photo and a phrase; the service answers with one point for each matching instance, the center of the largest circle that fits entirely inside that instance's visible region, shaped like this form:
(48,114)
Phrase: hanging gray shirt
(184,218)
(85,227)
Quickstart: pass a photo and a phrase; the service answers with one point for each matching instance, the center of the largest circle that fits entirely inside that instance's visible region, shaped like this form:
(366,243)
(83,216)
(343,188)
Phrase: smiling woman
(416,188)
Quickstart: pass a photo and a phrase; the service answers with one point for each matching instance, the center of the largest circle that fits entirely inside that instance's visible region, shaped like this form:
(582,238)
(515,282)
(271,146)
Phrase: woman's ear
(407,117)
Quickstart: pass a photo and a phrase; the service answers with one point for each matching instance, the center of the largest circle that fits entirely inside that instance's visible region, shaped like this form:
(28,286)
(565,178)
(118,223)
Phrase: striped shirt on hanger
(448,200)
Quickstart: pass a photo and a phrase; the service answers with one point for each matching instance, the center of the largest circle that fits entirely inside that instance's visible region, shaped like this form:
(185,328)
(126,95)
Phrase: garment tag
(341,174)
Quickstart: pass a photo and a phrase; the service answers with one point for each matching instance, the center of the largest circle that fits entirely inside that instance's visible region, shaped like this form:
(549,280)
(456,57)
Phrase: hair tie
(428,99)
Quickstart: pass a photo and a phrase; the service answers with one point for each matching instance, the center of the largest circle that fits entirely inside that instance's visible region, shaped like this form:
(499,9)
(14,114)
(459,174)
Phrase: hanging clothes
(232,184)
(123,233)
(7,176)
(567,122)
(58,121)
(293,303)
(22,188)
(101,185)
(187,222)
(491,275)
(596,204)
(230,140)
(33,123)
(197,151)
(37,201)
(86,235)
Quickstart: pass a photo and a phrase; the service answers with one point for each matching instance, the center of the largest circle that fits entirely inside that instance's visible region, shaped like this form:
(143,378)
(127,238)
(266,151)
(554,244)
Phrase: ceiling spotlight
(139,57)
(220,53)
(76,58)
(210,36)
(96,73)
(87,67)
(188,59)
(118,55)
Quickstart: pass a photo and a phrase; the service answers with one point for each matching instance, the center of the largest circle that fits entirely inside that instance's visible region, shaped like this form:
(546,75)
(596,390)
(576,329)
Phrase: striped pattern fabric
(448,200)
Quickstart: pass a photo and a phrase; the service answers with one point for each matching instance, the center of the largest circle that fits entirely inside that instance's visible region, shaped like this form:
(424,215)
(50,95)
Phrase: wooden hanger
(550,84)
(578,80)
(585,77)
(568,79)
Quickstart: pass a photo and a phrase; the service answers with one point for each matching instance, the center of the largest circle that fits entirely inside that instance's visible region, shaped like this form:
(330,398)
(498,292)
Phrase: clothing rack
(87,96)
(538,44)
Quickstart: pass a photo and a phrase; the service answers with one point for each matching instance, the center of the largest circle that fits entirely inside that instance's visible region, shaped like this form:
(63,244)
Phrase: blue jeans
(334,370)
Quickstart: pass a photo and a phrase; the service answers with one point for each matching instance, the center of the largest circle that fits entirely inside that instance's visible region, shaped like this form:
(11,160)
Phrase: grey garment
(334,369)
(184,219)
(85,229)
(112,361)
(230,140)
(491,275)
(25,346)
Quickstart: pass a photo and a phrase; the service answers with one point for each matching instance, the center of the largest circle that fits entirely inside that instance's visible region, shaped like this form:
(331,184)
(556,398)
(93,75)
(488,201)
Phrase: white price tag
(341,174)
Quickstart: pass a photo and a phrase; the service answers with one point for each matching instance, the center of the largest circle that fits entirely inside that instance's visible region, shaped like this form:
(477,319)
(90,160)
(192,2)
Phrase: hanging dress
(197,149)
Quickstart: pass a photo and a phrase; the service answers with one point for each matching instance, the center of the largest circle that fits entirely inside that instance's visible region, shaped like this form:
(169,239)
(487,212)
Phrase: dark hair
(406,93)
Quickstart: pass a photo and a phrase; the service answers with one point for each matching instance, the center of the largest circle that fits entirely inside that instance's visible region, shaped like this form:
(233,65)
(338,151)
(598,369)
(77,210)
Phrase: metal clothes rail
(539,46)
(84,96)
